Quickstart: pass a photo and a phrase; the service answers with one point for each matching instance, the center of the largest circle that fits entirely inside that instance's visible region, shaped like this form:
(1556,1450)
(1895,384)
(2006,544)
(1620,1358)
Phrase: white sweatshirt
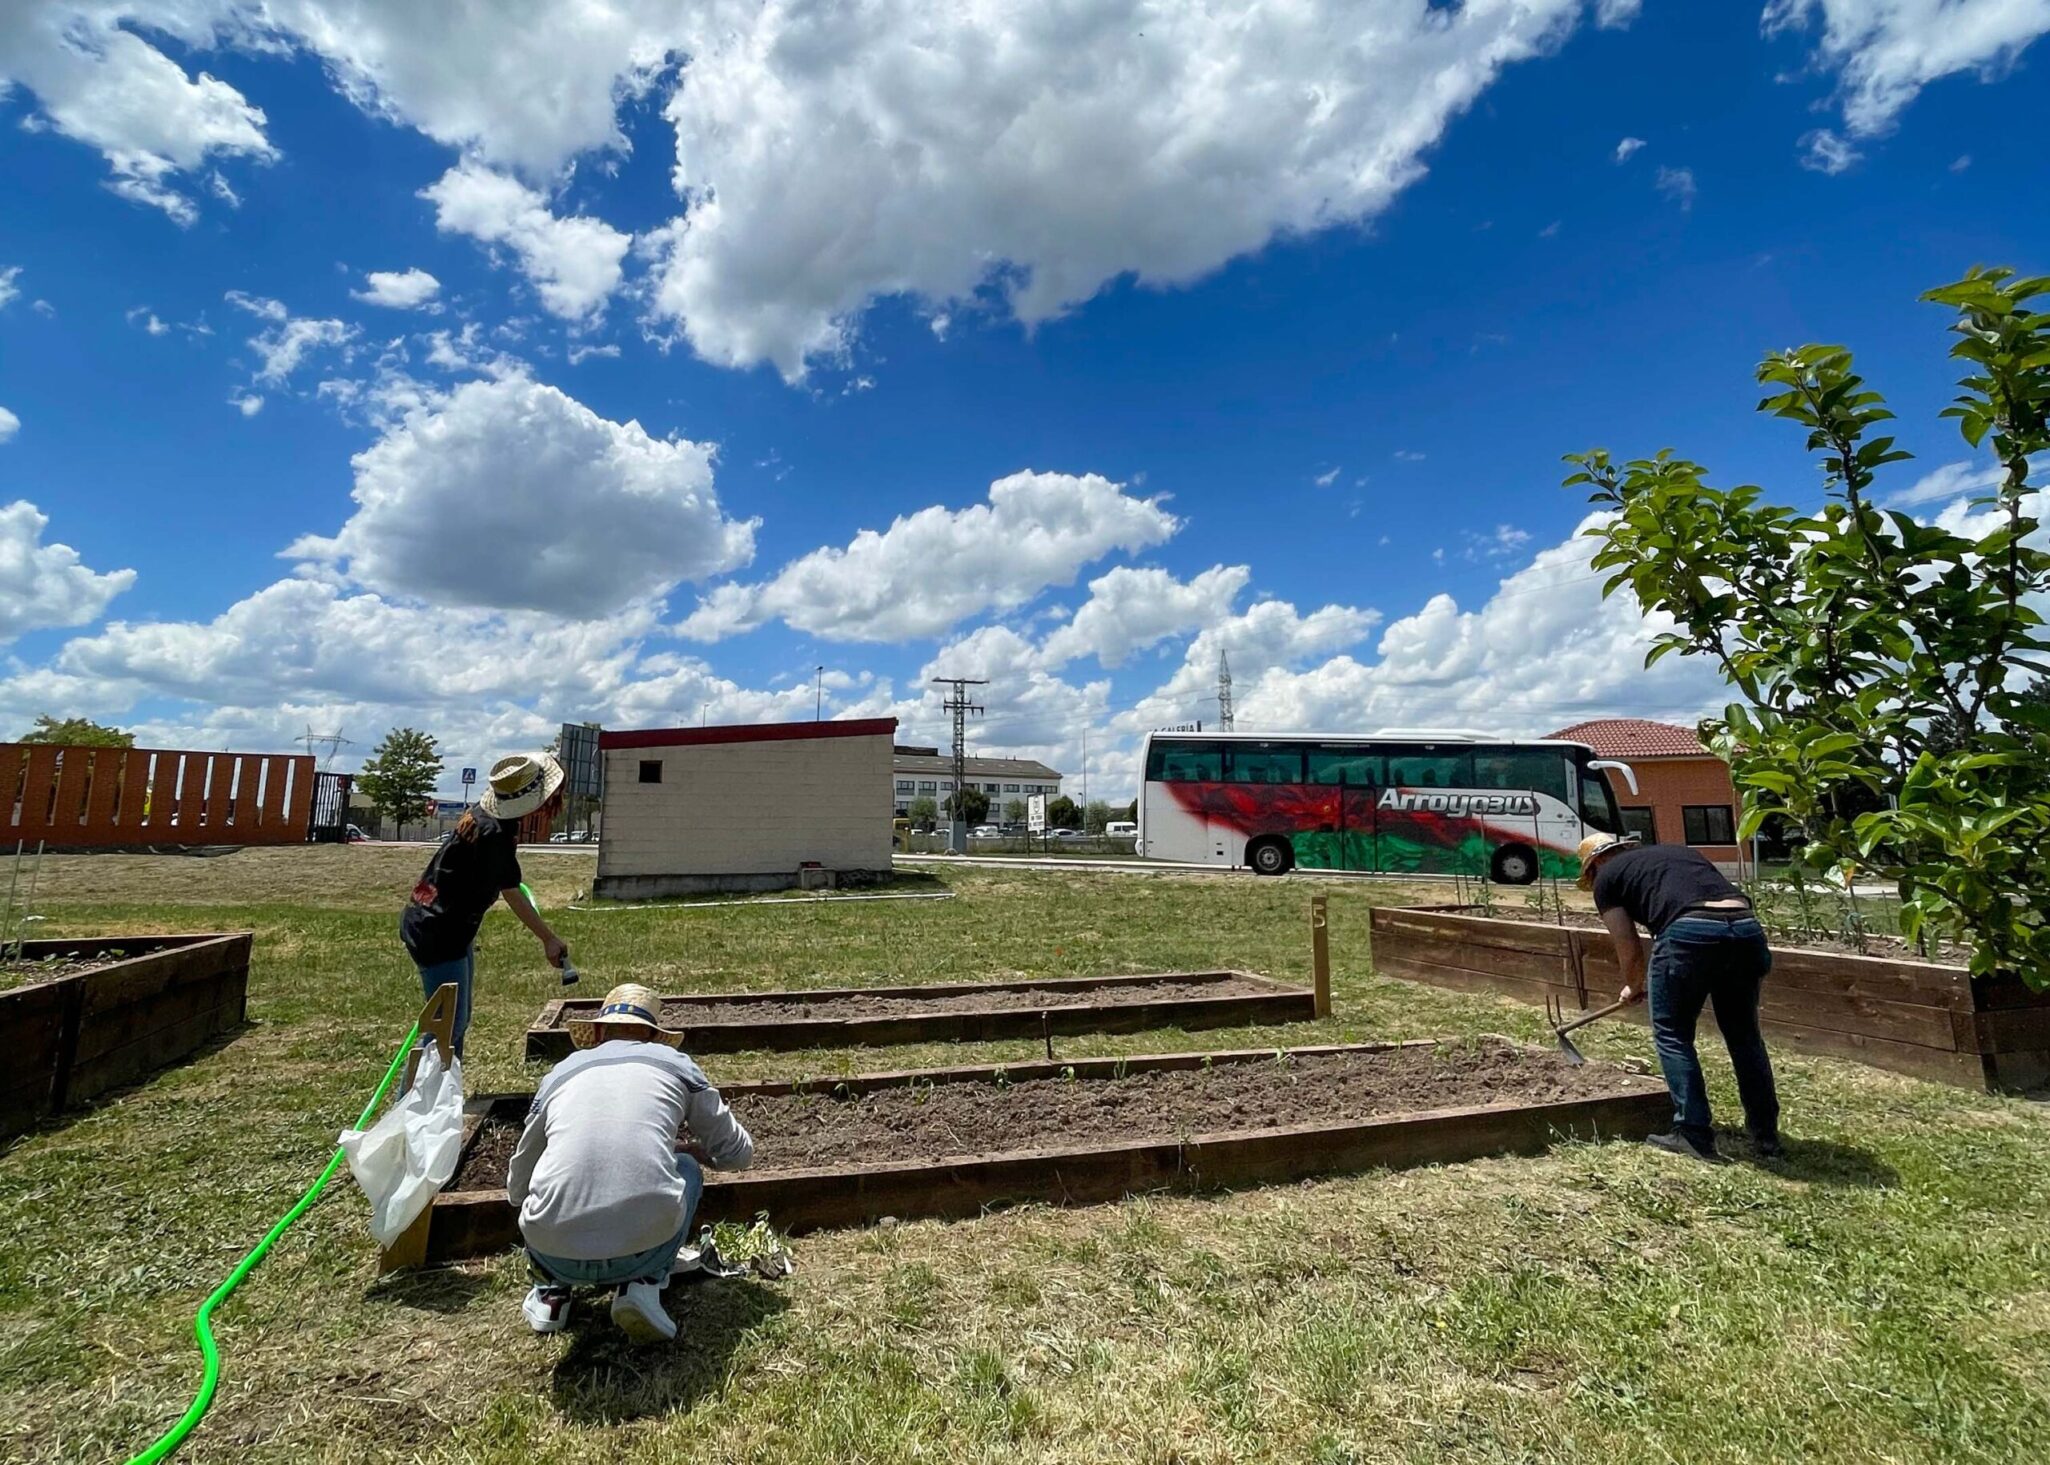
(594,1176)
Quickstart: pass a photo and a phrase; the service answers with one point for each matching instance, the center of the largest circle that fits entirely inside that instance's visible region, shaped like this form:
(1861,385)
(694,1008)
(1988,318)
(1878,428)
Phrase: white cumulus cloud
(99,82)
(1627,147)
(398,289)
(1131,609)
(509,494)
(935,568)
(287,340)
(1011,153)
(1885,51)
(572,263)
(46,585)
(8,289)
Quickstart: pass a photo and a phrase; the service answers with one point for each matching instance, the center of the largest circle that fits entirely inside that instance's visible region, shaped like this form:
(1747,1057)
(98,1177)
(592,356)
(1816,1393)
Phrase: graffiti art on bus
(1431,831)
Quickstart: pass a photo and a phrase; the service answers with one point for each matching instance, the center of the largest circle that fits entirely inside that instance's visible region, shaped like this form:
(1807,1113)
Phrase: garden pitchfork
(1555,1013)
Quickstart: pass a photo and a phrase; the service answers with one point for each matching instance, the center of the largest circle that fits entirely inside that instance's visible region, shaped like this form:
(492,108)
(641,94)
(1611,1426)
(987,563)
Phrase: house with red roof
(1684,793)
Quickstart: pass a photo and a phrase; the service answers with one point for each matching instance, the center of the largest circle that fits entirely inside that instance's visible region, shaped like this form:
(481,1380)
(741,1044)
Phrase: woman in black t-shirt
(476,866)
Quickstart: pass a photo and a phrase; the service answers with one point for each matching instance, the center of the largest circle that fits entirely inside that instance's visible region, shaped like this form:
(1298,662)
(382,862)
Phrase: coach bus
(1431,802)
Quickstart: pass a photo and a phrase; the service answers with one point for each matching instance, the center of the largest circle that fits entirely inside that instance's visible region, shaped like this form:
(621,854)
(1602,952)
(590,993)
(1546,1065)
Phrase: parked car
(1065,834)
(355,835)
(1121,829)
(985,831)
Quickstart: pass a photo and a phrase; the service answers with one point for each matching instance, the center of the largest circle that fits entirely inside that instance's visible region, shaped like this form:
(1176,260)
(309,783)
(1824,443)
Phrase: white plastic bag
(403,1159)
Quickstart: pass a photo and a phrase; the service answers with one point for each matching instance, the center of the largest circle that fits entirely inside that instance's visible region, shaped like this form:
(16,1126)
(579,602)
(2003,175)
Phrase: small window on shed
(651,770)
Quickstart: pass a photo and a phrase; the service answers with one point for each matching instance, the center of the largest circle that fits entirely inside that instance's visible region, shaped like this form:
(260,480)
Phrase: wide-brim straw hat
(1594,847)
(519,785)
(629,1005)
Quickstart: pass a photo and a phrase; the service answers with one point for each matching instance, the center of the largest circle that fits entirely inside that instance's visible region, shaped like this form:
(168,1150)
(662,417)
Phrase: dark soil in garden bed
(49,969)
(842,1009)
(931,1123)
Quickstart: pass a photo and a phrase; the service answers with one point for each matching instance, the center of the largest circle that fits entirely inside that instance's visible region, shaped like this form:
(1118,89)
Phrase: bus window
(1430,770)
(1338,765)
(1266,763)
(1541,770)
(1597,809)
(1185,763)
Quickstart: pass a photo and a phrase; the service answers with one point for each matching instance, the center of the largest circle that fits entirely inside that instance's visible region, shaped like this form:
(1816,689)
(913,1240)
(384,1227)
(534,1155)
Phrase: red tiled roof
(1634,737)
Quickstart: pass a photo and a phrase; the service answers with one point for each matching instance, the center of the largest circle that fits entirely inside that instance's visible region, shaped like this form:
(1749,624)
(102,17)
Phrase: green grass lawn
(1885,1295)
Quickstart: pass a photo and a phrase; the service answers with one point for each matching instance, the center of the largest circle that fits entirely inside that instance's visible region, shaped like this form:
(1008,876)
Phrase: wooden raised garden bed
(1914,1017)
(951,1142)
(113,1009)
(846,1017)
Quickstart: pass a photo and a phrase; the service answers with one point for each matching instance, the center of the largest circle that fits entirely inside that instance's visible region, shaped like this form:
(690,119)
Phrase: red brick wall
(1667,785)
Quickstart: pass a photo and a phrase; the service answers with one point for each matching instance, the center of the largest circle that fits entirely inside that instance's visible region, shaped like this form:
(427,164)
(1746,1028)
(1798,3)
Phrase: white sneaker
(637,1308)
(547,1309)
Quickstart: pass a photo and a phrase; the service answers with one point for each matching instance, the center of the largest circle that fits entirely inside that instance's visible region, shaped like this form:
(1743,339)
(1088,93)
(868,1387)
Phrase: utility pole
(1085,778)
(958,704)
(818,695)
(1223,691)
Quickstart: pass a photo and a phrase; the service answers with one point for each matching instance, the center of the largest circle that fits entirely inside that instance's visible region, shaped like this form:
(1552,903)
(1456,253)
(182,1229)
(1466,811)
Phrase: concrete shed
(745,808)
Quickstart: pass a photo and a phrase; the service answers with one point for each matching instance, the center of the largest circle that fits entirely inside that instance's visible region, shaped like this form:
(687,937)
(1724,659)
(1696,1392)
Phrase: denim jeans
(1719,962)
(460,971)
(646,1266)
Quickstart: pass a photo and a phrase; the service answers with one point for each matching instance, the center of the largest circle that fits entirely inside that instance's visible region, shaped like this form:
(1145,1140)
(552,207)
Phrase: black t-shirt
(460,883)
(1658,882)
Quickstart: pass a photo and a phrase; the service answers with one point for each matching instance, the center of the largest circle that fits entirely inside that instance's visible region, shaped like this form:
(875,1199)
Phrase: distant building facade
(928,773)
(753,807)
(1684,793)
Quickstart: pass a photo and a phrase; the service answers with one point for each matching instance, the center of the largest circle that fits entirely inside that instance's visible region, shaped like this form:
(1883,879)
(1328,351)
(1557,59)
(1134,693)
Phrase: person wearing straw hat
(473,868)
(1707,949)
(604,1190)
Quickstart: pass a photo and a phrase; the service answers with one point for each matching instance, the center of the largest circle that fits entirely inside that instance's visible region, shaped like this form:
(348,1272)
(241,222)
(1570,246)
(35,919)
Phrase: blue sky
(1066,349)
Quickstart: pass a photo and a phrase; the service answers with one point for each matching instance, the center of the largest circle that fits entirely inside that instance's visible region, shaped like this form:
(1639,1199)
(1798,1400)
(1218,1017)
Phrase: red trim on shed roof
(747,732)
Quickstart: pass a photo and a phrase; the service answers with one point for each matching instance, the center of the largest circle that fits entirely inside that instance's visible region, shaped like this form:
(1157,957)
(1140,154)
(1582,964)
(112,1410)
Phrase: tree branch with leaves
(1888,670)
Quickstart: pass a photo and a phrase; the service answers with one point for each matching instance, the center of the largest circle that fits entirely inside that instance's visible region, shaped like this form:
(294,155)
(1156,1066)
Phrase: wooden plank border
(72,1039)
(1275,1003)
(466,1224)
(1920,1018)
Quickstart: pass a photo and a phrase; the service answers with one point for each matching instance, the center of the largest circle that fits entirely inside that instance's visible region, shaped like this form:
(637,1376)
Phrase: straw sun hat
(519,785)
(629,1005)
(1594,847)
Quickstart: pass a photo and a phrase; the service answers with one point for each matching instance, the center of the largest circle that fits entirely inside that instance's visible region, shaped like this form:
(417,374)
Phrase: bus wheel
(1515,864)
(1270,856)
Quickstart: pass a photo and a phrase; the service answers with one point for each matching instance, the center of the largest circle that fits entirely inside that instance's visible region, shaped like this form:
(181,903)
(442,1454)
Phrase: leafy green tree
(401,775)
(1095,816)
(1885,668)
(1015,811)
(974,805)
(1063,813)
(77,732)
(923,811)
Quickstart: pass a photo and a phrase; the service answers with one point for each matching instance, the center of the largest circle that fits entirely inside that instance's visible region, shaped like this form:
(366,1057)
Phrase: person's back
(599,1178)
(1658,883)
(604,1179)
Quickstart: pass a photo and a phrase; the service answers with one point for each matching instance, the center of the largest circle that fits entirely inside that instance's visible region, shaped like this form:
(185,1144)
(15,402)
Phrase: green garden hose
(202,1322)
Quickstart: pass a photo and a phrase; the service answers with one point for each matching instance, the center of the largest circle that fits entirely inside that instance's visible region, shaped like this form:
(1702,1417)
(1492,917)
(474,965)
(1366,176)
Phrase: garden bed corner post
(1320,953)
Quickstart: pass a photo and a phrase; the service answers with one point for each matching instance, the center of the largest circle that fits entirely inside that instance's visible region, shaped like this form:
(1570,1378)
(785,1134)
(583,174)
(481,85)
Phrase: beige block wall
(749,808)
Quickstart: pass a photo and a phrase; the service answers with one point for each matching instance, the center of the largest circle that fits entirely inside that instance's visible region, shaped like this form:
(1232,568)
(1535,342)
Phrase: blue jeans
(1719,962)
(460,971)
(646,1266)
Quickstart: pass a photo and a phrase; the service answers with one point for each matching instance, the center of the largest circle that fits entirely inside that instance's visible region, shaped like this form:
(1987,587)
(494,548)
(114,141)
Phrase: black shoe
(1678,1144)
(1769,1148)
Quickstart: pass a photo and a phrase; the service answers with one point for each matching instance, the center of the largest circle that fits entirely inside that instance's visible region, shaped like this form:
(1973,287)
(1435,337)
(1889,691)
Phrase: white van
(1120,829)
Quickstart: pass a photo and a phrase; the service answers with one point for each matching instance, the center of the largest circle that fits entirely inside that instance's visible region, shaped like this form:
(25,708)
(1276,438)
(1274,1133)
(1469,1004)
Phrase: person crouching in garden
(604,1190)
(474,867)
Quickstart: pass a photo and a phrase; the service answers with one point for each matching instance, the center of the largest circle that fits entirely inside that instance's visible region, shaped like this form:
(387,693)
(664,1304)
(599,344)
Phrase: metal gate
(330,808)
